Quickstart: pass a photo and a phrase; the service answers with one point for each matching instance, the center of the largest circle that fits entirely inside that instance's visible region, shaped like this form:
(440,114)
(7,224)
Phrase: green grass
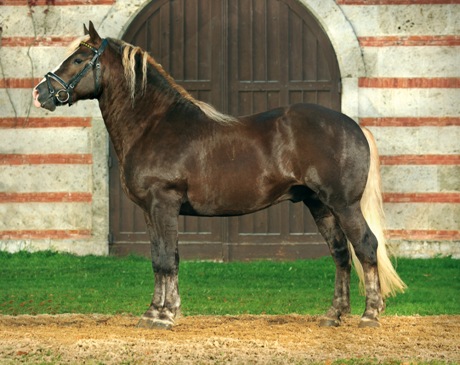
(48,282)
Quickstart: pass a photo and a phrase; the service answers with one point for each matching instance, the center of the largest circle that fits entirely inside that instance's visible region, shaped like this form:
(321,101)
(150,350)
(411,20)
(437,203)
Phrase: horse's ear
(94,36)
(85,30)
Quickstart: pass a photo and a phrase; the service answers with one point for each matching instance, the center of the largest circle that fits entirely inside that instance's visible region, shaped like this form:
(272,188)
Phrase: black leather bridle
(64,95)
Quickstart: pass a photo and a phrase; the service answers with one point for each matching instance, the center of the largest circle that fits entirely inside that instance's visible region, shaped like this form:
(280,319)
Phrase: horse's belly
(232,200)
(213,210)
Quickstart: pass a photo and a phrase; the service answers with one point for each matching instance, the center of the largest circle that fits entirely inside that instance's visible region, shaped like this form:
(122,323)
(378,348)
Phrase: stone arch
(347,49)
(327,12)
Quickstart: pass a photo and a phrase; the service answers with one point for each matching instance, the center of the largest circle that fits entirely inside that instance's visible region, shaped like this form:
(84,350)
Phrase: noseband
(64,95)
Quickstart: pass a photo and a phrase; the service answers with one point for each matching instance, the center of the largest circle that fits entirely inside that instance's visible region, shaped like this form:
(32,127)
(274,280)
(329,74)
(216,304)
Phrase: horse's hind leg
(337,242)
(365,245)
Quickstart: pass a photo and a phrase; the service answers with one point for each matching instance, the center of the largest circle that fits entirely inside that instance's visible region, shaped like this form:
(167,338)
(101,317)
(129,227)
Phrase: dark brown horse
(180,156)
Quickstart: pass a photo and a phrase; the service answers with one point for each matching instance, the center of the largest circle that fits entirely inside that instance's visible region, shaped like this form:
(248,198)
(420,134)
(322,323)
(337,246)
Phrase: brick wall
(53,166)
(409,97)
(399,61)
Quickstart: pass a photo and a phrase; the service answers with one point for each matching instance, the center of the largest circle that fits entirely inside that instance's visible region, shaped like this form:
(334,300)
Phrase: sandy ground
(100,339)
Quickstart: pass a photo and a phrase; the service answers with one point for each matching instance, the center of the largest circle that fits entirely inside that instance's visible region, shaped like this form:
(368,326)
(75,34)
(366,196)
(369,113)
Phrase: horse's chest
(127,185)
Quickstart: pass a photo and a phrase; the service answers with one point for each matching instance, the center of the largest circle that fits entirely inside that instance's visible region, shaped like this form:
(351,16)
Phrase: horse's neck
(126,120)
(113,109)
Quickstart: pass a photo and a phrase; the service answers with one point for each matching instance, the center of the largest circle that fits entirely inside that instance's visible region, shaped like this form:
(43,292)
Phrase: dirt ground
(96,339)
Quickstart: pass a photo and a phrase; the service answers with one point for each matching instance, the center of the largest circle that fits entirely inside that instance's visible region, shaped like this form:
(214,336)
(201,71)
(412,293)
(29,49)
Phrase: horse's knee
(165,261)
(342,258)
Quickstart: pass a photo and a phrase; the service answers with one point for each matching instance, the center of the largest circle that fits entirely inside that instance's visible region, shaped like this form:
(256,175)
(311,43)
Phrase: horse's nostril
(35,95)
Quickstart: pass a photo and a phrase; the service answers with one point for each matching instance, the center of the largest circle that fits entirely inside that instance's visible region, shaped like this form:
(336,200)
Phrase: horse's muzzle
(41,97)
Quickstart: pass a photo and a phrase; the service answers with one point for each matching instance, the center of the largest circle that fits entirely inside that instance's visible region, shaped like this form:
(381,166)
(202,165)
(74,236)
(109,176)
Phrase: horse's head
(78,77)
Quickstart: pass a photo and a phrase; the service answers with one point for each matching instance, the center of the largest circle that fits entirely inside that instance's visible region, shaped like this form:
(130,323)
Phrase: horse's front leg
(162,225)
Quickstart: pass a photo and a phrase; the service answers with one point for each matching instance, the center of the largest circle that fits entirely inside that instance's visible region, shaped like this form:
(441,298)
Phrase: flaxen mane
(129,53)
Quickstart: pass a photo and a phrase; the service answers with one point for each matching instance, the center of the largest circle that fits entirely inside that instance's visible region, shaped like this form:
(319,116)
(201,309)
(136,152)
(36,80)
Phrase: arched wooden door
(243,57)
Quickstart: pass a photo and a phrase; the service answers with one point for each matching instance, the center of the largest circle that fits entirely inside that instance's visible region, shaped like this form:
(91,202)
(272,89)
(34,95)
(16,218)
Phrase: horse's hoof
(369,323)
(149,323)
(328,322)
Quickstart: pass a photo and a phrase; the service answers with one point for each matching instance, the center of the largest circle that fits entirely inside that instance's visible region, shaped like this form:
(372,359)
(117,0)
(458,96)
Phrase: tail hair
(372,208)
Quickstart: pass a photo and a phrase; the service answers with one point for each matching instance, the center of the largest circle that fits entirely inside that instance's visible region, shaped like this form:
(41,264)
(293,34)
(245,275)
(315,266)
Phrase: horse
(180,156)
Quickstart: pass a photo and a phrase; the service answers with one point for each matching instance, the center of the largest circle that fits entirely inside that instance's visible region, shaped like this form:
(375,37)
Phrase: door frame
(318,7)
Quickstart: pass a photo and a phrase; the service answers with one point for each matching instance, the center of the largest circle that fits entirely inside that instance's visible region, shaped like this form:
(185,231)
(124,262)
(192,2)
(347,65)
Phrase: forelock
(75,44)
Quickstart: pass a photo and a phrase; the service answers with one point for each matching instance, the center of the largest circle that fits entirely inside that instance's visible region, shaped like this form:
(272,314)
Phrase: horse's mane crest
(128,54)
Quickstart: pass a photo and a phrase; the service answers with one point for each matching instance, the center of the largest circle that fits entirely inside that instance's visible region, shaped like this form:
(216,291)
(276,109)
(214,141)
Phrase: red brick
(76,197)
(45,234)
(408,41)
(421,197)
(434,235)
(396,2)
(56,2)
(36,41)
(46,159)
(19,83)
(410,122)
(420,160)
(48,122)
(405,83)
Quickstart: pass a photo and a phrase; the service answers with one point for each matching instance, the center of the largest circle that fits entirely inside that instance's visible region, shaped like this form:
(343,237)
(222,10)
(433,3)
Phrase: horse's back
(310,120)
(316,132)
(323,122)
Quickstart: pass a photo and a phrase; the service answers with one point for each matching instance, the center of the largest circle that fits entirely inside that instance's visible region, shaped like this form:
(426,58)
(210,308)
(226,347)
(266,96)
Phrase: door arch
(243,57)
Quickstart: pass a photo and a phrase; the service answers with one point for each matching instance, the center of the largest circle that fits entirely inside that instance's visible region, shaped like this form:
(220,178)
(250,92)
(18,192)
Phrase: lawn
(48,282)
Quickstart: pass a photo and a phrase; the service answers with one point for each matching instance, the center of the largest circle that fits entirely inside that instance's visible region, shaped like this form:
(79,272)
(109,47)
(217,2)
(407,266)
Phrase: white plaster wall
(413,140)
(384,20)
(49,140)
(426,178)
(430,216)
(343,24)
(416,61)
(43,178)
(345,43)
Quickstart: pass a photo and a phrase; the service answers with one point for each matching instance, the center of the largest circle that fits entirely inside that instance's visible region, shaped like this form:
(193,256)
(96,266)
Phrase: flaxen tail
(372,208)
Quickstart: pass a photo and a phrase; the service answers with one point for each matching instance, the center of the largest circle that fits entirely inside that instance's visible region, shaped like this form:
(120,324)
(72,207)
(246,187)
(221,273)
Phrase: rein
(64,95)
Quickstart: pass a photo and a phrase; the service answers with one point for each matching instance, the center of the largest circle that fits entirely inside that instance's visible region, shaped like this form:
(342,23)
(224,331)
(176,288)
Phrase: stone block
(45,178)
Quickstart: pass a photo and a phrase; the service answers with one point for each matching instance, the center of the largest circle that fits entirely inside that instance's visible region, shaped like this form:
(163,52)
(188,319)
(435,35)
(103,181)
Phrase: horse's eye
(77,61)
